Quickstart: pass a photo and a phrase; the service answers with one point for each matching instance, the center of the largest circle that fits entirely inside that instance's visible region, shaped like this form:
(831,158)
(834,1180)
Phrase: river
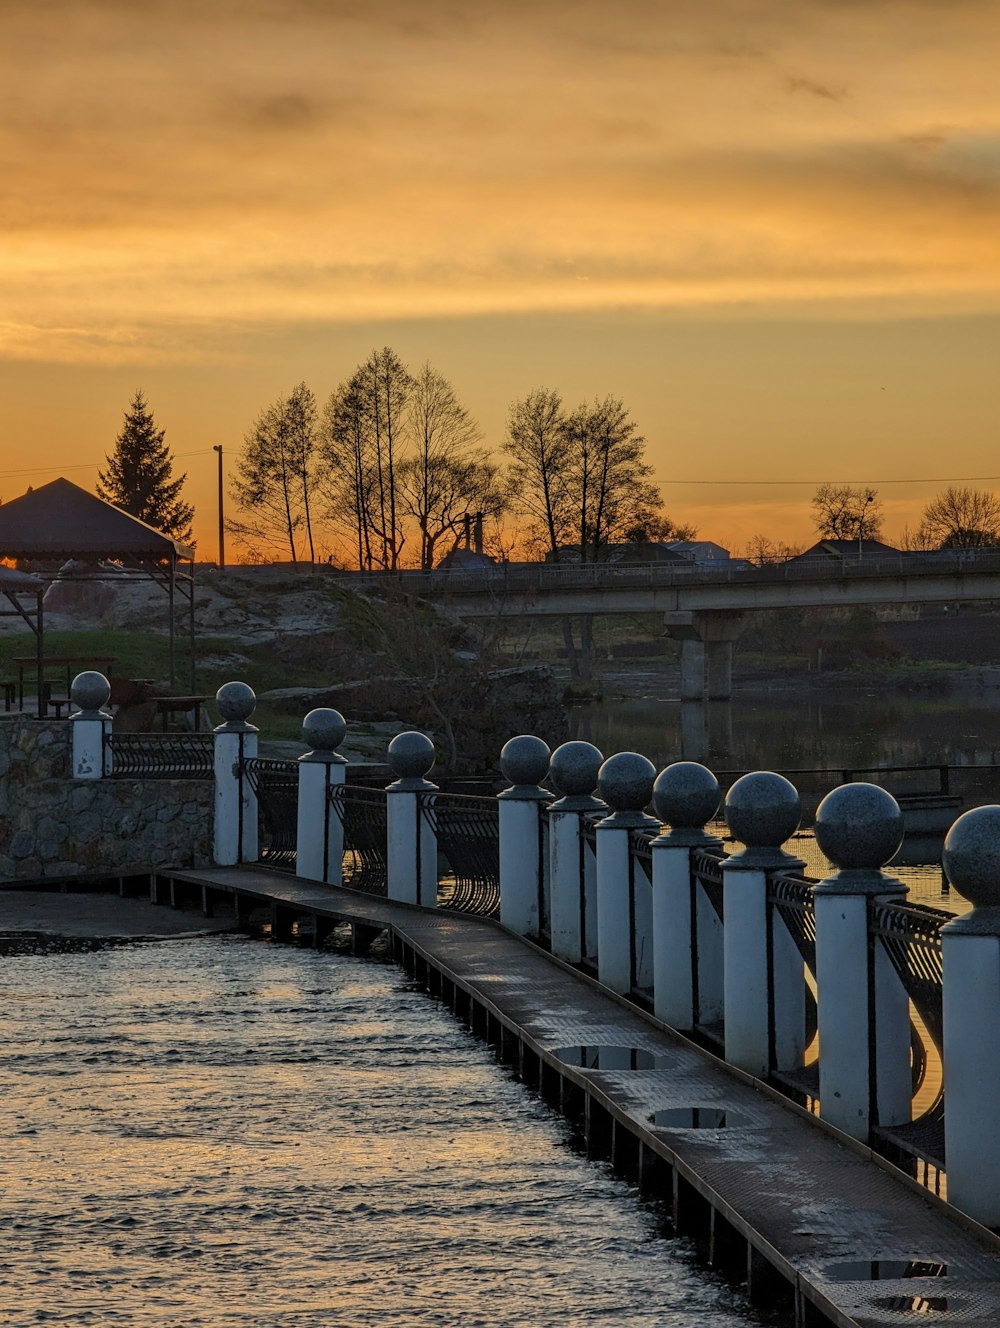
(223,1132)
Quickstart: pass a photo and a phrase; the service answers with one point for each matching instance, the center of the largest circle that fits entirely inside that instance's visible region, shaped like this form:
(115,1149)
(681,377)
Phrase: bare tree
(844,512)
(583,482)
(961,519)
(447,478)
(274,476)
(365,428)
(763,551)
(538,448)
(346,467)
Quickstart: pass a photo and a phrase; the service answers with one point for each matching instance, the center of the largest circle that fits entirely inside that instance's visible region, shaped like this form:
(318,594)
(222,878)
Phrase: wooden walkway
(784,1204)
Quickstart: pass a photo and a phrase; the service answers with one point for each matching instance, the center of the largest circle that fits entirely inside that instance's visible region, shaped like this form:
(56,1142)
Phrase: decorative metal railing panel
(468,837)
(792,899)
(362,813)
(707,868)
(911,937)
(159,756)
(276,784)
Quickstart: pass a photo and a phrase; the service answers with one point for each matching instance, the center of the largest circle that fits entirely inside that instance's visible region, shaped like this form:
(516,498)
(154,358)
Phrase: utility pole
(217,447)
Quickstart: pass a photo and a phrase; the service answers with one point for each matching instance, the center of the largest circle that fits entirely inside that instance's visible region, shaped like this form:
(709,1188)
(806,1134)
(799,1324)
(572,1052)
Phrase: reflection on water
(218,1132)
(792,732)
(802,734)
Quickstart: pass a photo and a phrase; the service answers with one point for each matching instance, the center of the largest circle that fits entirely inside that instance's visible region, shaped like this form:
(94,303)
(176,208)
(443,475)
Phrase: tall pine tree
(138,475)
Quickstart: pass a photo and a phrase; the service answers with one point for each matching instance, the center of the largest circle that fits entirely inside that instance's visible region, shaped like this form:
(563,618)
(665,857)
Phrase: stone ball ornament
(525,760)
(574,767)
(625,781)
(971,856)
(859,827)
(90,691)
(324,729)
(686,795)
(236,702)
(763,809)
(411,754)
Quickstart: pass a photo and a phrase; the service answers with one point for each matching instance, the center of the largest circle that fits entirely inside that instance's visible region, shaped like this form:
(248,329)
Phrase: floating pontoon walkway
(783,1203)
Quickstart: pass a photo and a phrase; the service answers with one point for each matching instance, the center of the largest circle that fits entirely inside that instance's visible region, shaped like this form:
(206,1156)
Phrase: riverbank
(54,922)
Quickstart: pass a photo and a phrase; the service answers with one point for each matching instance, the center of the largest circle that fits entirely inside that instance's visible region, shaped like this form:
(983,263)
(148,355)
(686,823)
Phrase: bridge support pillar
(706,637)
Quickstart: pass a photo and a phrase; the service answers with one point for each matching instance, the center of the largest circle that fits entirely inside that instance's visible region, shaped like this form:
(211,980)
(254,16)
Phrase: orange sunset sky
(772,228)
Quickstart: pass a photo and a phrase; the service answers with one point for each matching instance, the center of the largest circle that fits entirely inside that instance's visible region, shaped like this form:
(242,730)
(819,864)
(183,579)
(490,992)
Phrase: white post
(625,782)
(686,798)
(863,1009)
(319,852)
(573,772)
(411,848)
(762,810)
(235,837)
(971,953)
(524,760)
(90,691)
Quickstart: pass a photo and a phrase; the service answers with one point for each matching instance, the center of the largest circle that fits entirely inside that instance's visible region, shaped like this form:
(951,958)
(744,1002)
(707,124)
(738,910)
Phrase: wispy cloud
(178,166)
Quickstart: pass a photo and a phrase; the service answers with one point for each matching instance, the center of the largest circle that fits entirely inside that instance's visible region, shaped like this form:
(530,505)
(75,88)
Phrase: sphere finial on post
(236,702)
(859,827)
(763,810)
(411,756)
(686,797)
(323,730)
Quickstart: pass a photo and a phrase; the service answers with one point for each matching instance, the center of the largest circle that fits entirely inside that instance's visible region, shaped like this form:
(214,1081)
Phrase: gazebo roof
(61,520)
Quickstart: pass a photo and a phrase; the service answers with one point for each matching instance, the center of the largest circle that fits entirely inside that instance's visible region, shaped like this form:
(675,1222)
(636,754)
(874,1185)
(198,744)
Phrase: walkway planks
(784,1203)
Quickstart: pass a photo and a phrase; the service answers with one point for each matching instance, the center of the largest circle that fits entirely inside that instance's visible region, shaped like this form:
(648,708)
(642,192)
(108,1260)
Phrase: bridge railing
(519,578)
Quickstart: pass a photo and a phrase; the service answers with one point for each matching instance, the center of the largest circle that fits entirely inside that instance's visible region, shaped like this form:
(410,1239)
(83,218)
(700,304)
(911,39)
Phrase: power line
(953,479)
(88,465)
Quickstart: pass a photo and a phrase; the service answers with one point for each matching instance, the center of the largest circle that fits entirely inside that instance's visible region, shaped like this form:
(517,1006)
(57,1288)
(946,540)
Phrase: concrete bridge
(701,608)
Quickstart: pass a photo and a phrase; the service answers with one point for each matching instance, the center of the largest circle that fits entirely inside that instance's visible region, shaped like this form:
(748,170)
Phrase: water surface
(226,1133)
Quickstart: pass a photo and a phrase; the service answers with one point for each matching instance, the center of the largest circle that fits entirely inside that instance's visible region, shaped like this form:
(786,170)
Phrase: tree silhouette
(138,476)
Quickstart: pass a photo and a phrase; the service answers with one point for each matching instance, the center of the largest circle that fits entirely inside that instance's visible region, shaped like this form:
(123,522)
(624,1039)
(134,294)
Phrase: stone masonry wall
(53,826)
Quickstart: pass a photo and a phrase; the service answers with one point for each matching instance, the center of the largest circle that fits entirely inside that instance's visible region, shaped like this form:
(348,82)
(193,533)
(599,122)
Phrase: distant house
(465,560)
(839,550)
(699,551)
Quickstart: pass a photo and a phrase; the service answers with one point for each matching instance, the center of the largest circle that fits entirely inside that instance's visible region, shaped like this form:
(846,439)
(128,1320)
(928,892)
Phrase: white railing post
(524,760)
(235,838)
(971,958)
(411,847)
(686,798)
(762,811)
(90,691)
(863,1008)
(319,840)
(624,896)
(573,771)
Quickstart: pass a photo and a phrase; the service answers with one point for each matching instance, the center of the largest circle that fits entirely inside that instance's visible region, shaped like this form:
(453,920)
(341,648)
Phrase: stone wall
(53,826)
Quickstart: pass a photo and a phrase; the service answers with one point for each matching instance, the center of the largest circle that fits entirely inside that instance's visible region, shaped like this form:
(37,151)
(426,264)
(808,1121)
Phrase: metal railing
(362,813)
(158,756)
(468,838)
(911,937)
(276,785)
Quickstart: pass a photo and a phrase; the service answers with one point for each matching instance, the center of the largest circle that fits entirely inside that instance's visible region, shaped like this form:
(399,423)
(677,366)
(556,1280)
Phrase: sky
(772,227)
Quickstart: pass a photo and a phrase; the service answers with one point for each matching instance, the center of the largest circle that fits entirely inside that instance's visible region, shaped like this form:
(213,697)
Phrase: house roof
(61,520)
(845,548)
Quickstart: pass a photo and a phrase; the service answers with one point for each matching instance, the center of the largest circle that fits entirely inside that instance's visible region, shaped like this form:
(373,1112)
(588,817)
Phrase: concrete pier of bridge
(706,637)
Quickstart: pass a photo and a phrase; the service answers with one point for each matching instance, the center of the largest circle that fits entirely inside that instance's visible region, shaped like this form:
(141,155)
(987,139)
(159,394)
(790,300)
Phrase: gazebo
(60,522)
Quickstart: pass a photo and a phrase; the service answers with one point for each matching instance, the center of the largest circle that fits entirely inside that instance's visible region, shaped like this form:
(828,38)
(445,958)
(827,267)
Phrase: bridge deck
(773,1192)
